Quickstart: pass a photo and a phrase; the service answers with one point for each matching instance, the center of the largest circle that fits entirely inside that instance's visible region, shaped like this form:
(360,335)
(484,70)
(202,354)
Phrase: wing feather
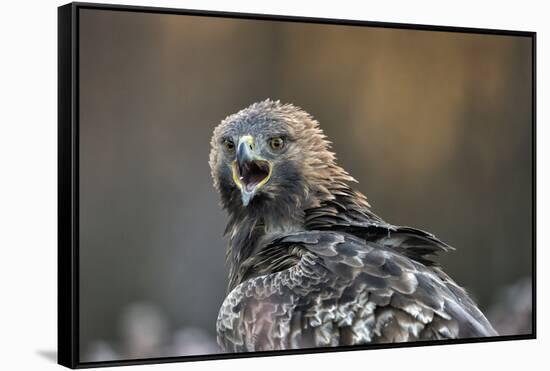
(345,291)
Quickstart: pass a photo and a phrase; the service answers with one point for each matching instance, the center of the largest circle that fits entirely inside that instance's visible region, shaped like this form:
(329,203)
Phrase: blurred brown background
(436,127)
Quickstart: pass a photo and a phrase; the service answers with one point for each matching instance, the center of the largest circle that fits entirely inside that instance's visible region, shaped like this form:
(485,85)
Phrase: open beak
(250,172)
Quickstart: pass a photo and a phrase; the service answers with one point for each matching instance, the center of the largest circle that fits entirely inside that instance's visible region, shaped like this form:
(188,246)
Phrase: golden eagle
(310,264)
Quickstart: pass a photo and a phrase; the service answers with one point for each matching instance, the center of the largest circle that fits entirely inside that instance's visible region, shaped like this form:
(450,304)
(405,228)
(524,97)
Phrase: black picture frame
(68,180)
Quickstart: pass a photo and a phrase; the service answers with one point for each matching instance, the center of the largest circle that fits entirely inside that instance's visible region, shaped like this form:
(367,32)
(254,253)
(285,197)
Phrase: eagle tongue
(251,173)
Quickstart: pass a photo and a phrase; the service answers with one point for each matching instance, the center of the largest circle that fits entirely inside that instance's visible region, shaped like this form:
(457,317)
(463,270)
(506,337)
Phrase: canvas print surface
(250,185)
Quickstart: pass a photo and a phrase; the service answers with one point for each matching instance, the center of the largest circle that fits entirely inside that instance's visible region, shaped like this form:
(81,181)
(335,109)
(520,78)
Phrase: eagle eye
(229,145)
(276,143)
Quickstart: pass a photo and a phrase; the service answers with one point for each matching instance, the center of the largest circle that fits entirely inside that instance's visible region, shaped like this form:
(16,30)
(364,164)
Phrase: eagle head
(272,158)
